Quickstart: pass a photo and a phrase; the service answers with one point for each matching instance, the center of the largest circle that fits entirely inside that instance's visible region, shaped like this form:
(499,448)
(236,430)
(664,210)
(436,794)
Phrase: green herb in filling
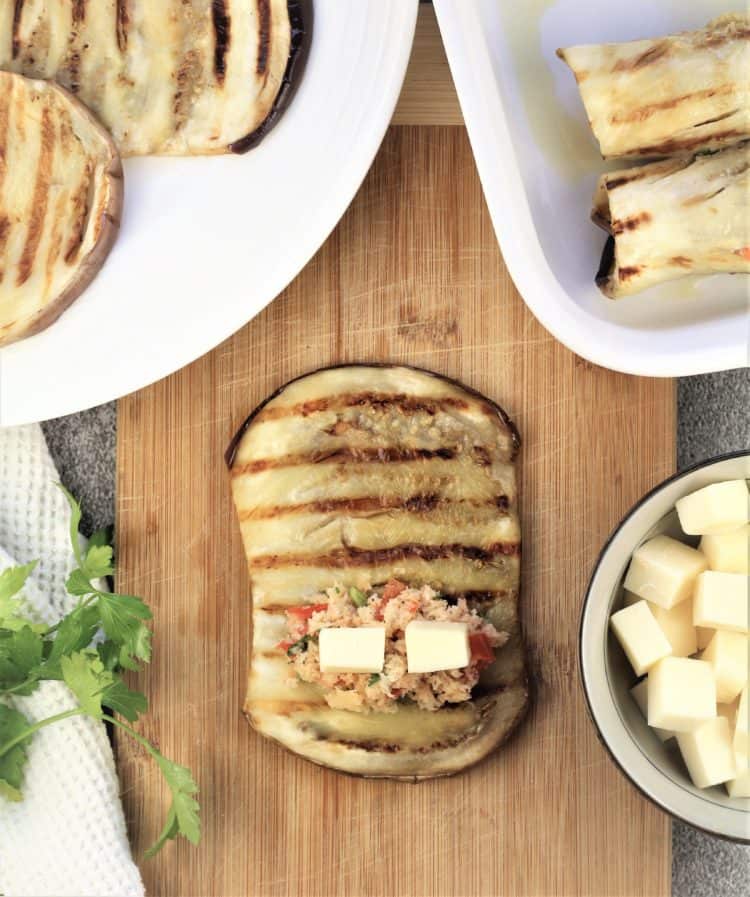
(359,598)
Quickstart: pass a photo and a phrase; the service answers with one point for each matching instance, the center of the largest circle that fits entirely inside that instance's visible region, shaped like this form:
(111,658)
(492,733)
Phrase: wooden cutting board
(412,274)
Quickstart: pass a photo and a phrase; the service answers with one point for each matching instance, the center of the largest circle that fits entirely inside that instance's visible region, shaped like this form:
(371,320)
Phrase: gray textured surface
(714,417)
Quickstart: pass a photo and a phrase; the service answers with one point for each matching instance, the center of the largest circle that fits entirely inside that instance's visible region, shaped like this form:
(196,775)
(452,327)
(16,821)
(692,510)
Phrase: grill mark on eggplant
(371,557)
(4,232)
(79,11)
(301,22)
(264,37)
(641,113)
(122,23)
(81,201)
(630,271)
(39,199)
(16,41)
(222,23)
(5,99)
(648,57)
(703,197)
(680,144)
(56,236)
(633,222)
(421,503)
(345,455)
(383,401)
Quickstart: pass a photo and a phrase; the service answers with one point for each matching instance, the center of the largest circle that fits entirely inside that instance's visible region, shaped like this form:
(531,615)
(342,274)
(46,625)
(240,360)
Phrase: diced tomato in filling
(393,588)
(305,611)
(285,645)
(481,649)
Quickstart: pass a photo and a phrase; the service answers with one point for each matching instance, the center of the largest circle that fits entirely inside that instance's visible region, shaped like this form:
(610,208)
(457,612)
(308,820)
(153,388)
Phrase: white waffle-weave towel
(67,836)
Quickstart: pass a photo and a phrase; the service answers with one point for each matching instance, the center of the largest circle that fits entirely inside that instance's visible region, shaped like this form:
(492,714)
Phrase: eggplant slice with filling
(60,201)
(168,77)
(669,95)
(355,475)
(672,218)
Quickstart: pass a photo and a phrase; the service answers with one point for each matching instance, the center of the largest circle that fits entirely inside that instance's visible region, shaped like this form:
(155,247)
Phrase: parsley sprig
(31,652)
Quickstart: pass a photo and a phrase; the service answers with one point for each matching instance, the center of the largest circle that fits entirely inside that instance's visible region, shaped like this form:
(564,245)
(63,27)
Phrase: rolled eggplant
(669,95)
(672,218)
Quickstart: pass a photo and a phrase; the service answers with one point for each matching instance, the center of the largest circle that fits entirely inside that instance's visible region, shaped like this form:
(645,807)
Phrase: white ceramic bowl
(656,769)
(539,162)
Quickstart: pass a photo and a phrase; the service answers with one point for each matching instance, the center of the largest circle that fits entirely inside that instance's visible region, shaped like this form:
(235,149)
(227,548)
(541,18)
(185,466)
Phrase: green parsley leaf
(13,761)
(102,536)
(75,522)
(85,676)
(20,655)
(12,581)
(374,679)
(122,700)
(98,561)
(78,584)
(183,816)
(122,617)
(74,633)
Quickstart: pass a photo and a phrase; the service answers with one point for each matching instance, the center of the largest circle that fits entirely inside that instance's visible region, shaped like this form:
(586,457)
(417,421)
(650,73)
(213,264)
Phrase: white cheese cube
(739,786)
(702,635)
(640,636)
(681,694)
(728,552)
(352,649)
(663,571)
(708,753)
(721,601)
(742,724)
(677,624)
(727,652)
(432,646)
(640,695)
(714,509)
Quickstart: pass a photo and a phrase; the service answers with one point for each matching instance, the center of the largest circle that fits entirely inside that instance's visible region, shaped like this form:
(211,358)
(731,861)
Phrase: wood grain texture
(413,274)
(428,96)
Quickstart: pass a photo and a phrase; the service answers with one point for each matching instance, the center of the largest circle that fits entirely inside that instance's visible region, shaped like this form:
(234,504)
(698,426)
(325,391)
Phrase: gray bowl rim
(675,477)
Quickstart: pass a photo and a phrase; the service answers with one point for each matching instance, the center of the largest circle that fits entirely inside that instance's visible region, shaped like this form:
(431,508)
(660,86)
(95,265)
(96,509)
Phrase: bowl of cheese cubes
(664,650)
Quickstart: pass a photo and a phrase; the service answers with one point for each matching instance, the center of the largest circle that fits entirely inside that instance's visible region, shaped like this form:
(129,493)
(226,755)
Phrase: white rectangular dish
(539,163)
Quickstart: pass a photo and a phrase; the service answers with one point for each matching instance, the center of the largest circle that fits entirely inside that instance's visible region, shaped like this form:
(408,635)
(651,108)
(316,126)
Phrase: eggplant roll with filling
(175,77)
(357,477)
(668,95)
(672,218)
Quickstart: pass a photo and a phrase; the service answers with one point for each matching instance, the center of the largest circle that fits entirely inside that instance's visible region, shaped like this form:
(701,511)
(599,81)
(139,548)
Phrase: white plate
(538,162)
(207,243)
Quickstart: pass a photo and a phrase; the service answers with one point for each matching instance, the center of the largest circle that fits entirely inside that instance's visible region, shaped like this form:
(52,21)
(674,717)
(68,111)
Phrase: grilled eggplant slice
(672,218)
(668,95)
(60,202)
(356,474)
(176,77)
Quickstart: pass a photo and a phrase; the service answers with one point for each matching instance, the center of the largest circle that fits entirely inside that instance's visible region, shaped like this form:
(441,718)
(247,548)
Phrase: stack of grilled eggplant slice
(681,96)
(355,475)
(60,202)
(177,77)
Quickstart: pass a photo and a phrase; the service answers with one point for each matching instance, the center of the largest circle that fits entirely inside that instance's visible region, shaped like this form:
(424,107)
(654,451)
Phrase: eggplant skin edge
(231,451)
(500,709)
